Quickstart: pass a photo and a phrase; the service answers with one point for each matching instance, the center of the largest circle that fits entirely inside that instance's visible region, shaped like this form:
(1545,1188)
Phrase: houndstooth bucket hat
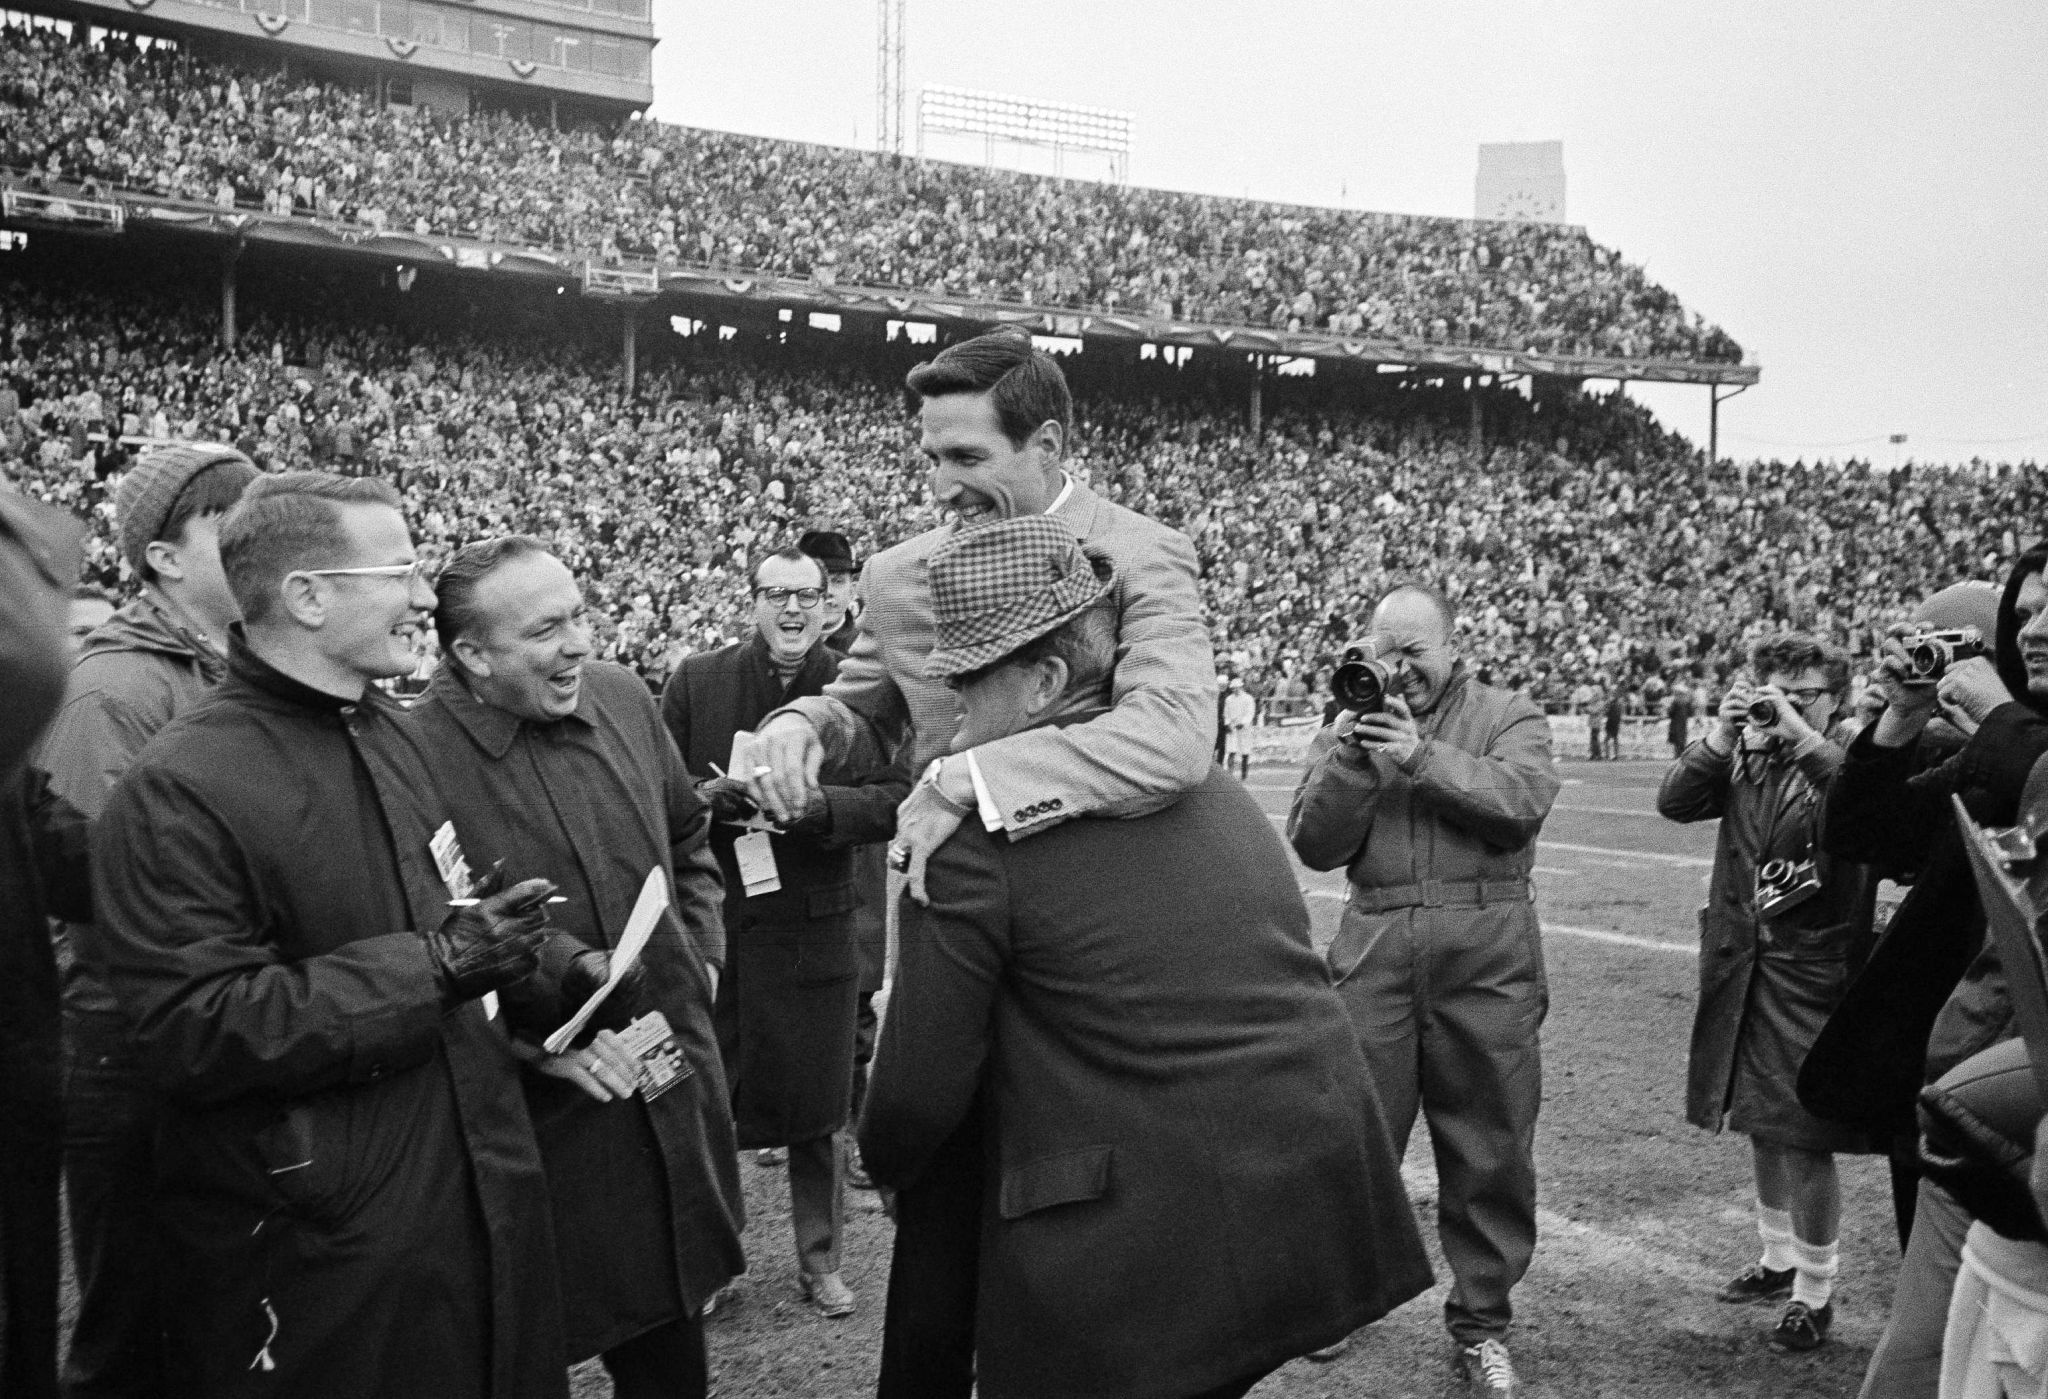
(1003,586)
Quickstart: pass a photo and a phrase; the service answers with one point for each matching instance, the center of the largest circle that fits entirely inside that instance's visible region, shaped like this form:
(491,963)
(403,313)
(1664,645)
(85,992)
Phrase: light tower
(889,75)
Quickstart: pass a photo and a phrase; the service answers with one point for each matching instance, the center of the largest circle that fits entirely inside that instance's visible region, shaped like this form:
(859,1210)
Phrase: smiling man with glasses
(349,1187)
(787,1007)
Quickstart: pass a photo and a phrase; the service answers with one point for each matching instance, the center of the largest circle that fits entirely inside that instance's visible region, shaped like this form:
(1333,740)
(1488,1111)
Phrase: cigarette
(471,903)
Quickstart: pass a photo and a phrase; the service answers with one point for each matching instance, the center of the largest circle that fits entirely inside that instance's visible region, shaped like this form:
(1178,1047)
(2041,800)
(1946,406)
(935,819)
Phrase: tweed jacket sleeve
(1157,739)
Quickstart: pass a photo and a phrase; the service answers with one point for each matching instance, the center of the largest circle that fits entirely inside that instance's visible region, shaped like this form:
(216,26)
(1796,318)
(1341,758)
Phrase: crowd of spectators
(163,122)
(1581,542)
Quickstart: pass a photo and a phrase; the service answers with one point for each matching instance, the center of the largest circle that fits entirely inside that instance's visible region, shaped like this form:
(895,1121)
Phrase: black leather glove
(491,943)
(588,972)
(727,798)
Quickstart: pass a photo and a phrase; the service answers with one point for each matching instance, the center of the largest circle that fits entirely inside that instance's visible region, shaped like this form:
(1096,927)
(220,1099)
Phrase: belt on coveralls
(1434,893)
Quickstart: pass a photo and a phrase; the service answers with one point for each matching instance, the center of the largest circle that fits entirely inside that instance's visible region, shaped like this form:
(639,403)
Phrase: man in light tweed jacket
(997,419)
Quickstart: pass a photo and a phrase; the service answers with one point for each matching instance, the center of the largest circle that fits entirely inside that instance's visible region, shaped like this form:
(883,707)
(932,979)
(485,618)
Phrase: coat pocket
(1066,1179)
(825,950)
(305,1152)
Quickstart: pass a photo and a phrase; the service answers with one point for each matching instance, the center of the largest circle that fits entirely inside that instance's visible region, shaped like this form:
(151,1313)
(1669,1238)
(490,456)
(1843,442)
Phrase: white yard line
(1605,935)
(1695,861)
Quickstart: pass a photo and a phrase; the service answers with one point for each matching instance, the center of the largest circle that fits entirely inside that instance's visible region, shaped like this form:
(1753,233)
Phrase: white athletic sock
(1775,1228)
(1814,1283)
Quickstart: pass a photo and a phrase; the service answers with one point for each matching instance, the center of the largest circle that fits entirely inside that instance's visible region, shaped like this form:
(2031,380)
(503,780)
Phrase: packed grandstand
(1580,540)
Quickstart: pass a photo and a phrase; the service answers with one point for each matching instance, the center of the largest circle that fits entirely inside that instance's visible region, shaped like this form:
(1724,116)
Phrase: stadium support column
(1257,402)
(629,348)
(1478,416)
(229,264)
(1715,398)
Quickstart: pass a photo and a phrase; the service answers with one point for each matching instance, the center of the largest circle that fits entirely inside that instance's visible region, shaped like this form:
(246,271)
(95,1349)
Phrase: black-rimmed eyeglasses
(806,598)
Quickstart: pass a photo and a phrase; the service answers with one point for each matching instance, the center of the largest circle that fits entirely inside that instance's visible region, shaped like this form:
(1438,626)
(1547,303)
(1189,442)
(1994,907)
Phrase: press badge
(662,1065)
(756,856)
(456,877)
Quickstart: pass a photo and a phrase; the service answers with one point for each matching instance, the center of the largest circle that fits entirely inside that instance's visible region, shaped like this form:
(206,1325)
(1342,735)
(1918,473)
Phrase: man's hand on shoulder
(787,757)
(927,819)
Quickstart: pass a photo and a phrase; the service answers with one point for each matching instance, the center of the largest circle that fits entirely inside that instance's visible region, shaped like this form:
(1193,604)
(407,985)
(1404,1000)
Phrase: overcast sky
(1858,193)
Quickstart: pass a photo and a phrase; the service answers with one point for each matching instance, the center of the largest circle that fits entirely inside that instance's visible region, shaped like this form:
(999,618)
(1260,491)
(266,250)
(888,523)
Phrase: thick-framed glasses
(414,572)
(1809,694)
(779,598)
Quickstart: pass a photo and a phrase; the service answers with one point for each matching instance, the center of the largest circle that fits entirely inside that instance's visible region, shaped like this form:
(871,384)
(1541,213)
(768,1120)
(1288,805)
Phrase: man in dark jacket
(557,764)
(1784,927)
(787,1004)
(44,873)
(1432,806)
(1174,1096)
(151,661)
(1895,1030)
(349,1189)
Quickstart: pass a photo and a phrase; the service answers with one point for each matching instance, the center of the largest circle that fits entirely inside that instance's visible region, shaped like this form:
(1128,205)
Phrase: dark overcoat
(1767,985)
(45,873)
(646,1195)
(787,1004)
(1190,1180)
(352,1197)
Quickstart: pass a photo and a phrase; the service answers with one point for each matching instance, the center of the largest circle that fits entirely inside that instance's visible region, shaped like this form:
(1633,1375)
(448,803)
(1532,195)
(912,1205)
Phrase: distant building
(1521,180)
(554,59)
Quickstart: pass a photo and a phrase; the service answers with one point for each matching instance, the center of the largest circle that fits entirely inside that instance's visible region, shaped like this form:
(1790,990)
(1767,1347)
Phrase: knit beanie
(149,492)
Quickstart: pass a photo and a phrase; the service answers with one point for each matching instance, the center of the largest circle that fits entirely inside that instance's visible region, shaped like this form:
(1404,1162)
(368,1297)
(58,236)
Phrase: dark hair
(1086,641)
(1025,385)
(789,554)
(1790,652)
(456,584)
(213,490)
(289,522)
(1431,594)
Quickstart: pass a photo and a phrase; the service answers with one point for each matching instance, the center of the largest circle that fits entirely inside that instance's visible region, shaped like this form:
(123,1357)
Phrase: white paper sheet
(647,911)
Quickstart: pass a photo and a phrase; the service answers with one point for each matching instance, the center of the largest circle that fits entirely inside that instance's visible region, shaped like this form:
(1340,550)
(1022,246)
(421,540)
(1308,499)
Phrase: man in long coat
(1774,966)
(350,1190)
(1189,1182)
(559,765)
(787,1006)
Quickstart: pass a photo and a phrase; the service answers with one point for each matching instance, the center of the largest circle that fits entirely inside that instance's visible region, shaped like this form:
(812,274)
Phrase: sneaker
(827,1293)
(1802,1327)
(1756,1283)
(772,1156)
(1487,1371)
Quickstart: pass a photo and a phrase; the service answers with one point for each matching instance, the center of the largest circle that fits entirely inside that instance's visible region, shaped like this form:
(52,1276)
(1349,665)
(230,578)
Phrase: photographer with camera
(1932,994)
(1783,926)
(1429,789)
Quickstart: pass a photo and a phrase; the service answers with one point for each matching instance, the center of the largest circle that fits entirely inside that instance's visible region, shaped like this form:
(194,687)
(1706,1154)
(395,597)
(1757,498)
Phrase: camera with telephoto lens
(1783,885)
(1763,712)
(1362,683)
(1930,653)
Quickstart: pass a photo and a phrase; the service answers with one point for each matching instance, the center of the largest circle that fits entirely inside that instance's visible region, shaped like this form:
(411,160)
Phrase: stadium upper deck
(650,210)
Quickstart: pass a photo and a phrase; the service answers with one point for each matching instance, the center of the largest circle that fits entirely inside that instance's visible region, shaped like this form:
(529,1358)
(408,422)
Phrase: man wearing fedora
(997,423)
(1172,1089)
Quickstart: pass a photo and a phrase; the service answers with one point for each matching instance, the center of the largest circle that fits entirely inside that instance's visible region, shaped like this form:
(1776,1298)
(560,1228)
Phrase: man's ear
(303,600)
(474,658)
(1050,439)
(164,559)
(1048,684)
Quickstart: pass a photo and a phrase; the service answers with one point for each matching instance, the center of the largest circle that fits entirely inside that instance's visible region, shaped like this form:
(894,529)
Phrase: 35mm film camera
(1783,885)
(1931,653)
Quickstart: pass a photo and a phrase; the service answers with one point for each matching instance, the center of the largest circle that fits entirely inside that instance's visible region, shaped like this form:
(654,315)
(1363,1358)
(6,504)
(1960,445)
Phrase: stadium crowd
(166,123)
(1582,543)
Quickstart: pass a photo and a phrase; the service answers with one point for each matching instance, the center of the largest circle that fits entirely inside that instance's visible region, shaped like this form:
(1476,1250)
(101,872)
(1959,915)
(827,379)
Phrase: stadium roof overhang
(755,295)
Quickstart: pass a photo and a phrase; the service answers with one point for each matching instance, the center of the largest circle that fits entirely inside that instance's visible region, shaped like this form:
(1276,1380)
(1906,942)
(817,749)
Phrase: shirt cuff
(991,814)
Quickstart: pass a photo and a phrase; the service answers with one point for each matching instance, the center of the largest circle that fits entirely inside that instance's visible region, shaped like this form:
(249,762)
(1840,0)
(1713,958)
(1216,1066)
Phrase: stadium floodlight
(1025,121)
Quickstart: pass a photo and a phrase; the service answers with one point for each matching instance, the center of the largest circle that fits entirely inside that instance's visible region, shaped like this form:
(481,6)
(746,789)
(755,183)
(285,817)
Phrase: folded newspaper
(647,911)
